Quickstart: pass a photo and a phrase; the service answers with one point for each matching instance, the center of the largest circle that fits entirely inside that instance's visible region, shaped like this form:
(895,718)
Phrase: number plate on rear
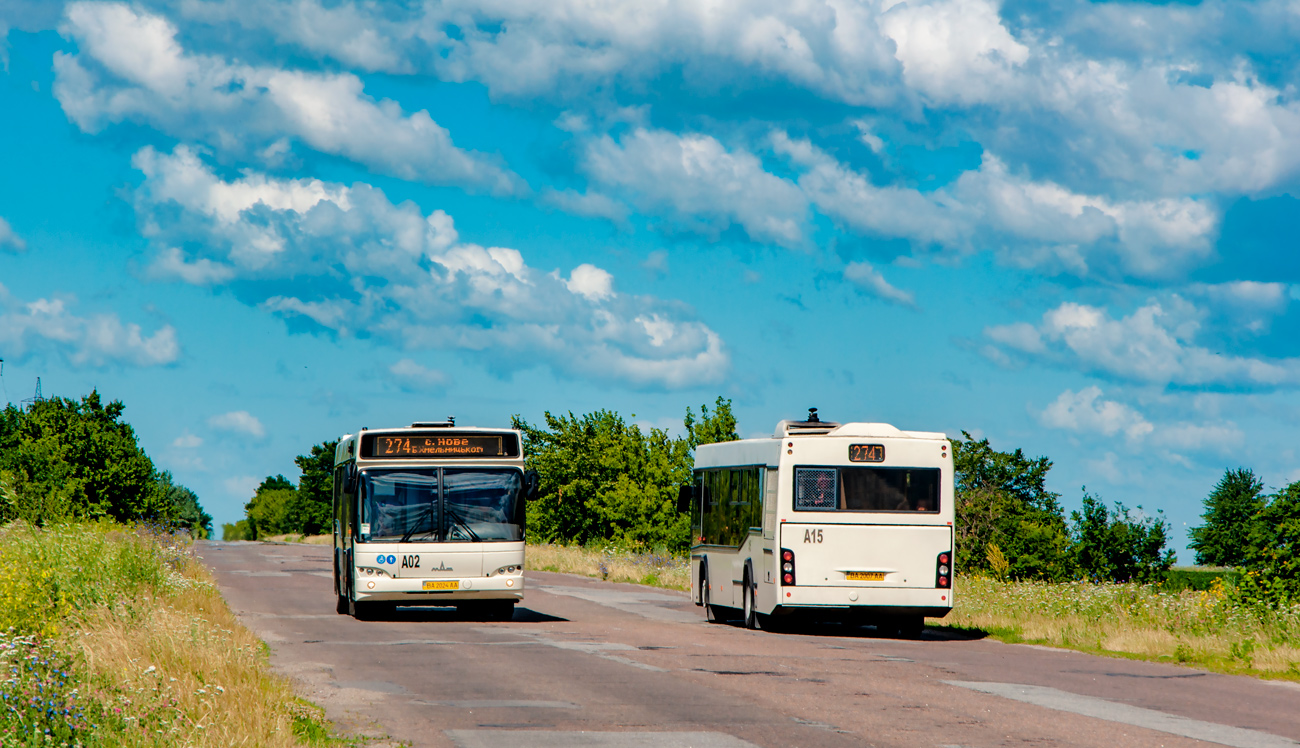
(865,576)
(442,584)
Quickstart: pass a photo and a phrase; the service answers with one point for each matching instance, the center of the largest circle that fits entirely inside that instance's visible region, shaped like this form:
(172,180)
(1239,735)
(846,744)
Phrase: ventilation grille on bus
(815,488)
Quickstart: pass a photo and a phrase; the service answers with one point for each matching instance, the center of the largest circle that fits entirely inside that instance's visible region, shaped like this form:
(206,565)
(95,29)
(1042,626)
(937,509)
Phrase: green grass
(117,636)
(1205,628)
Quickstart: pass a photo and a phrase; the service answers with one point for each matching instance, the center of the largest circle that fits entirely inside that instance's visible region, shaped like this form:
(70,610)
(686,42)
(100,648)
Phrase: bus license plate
(865,576)
(441,584)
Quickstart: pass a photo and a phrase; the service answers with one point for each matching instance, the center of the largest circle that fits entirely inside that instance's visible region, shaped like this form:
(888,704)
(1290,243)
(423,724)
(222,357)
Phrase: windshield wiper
(456,518)
(418,521)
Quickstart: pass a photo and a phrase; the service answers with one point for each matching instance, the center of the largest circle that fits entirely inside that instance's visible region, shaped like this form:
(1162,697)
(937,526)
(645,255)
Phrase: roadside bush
(1272,558)
(1120,546)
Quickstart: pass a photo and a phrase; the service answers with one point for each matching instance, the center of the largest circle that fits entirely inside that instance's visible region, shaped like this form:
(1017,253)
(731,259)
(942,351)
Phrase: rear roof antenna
(812,416)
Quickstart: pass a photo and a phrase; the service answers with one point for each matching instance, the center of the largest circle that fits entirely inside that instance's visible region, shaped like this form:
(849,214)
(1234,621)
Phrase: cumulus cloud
(1085,410)
(698,184)
(414,377)
(130,67)
(1030,223)
(9,241)
(239,422)
(408,279)
(187,441)
(870,281)
(1088,412)
(1155,344)
(49,326)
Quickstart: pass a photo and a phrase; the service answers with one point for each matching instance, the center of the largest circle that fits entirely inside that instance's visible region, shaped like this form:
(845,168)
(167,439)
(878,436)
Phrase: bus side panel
(906,554)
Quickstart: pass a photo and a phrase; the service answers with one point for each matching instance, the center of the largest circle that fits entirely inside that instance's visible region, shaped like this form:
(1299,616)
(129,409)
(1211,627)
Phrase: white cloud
(130,67)
(9,241)
(1130,101)
(1088,412)
(869,280)
(954,50)
(591,282)
(1155,344)
(238,422)
(187,441)
(414,377)
(698,184)
(408,279)
(590,204)
(1030,223)
(1085,411)
(48,325)
(242,486)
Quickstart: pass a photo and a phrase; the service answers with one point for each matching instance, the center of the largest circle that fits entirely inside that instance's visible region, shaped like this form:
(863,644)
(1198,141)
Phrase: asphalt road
(593,664)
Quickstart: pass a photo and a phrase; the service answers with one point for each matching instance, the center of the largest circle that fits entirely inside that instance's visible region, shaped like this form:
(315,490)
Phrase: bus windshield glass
(427,505)
(866,489)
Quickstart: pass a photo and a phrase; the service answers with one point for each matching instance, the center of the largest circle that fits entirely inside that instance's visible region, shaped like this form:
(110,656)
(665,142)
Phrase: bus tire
(499,610)
(910,627)
(748,606)
(712,613)
(341,607)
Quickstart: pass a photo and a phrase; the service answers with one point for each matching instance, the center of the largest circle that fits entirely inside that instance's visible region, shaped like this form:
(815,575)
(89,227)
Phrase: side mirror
(685,496)
(532,483)
(350,478)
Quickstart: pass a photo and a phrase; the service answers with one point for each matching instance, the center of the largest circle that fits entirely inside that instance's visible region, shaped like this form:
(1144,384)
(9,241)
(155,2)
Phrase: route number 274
(812,536)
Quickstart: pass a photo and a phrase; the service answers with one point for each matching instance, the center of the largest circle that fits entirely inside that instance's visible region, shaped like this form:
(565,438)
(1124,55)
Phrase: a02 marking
(813,535)
(410,562)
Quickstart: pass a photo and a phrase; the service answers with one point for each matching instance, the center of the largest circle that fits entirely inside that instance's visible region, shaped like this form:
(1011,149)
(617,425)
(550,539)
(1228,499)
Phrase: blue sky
(1069,227)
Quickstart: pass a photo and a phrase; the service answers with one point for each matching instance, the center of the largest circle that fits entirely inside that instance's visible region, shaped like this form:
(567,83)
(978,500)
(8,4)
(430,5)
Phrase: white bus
(851,522)
(430,515)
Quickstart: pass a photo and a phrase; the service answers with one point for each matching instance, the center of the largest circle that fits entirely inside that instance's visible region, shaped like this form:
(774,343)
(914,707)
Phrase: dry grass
(1207,629)
(295,538)
(184,667)
(154,656)
(659,570)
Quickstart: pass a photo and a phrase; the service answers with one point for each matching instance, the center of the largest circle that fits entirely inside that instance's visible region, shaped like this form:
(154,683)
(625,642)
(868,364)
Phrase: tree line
(606,480)
(64,459)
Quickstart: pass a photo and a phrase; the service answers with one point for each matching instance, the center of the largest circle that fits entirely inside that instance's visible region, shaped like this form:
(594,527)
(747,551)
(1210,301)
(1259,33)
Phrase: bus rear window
(866,489)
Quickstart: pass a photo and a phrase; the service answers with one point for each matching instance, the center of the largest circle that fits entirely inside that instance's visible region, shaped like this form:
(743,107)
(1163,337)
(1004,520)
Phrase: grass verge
(655,569)
(117,636)
(297,538)
(1206,628)
(1203,628)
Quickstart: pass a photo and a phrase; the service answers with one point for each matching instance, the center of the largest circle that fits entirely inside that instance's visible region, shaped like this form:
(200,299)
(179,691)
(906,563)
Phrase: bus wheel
(910,627)
(341,607)
(712,614)
(499,610)
(748,607)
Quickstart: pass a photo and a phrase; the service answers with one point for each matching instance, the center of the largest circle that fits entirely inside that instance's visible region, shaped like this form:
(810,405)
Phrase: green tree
(267,513)
(1002,499)
(603,479)
(720,426)
(185,506)
(69,458)
(312,509)
(1272,557)
(1230,511)
(1119,546)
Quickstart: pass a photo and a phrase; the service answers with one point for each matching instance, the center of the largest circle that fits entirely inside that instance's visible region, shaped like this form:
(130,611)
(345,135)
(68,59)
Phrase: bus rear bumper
(933,603)
(412,592)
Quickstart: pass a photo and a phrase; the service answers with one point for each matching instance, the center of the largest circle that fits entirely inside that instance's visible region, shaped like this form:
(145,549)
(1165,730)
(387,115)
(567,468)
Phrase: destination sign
(438,444)
(866,453)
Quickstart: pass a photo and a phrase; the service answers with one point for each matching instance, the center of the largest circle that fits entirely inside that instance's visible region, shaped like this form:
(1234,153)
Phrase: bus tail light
(787,567)
(943,577)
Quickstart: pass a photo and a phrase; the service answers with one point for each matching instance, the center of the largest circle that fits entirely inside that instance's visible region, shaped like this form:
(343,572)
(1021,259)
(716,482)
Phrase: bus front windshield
(430,505)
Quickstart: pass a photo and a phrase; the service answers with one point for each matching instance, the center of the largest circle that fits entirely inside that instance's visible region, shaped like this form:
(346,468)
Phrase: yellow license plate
(440,584)
(865,576)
